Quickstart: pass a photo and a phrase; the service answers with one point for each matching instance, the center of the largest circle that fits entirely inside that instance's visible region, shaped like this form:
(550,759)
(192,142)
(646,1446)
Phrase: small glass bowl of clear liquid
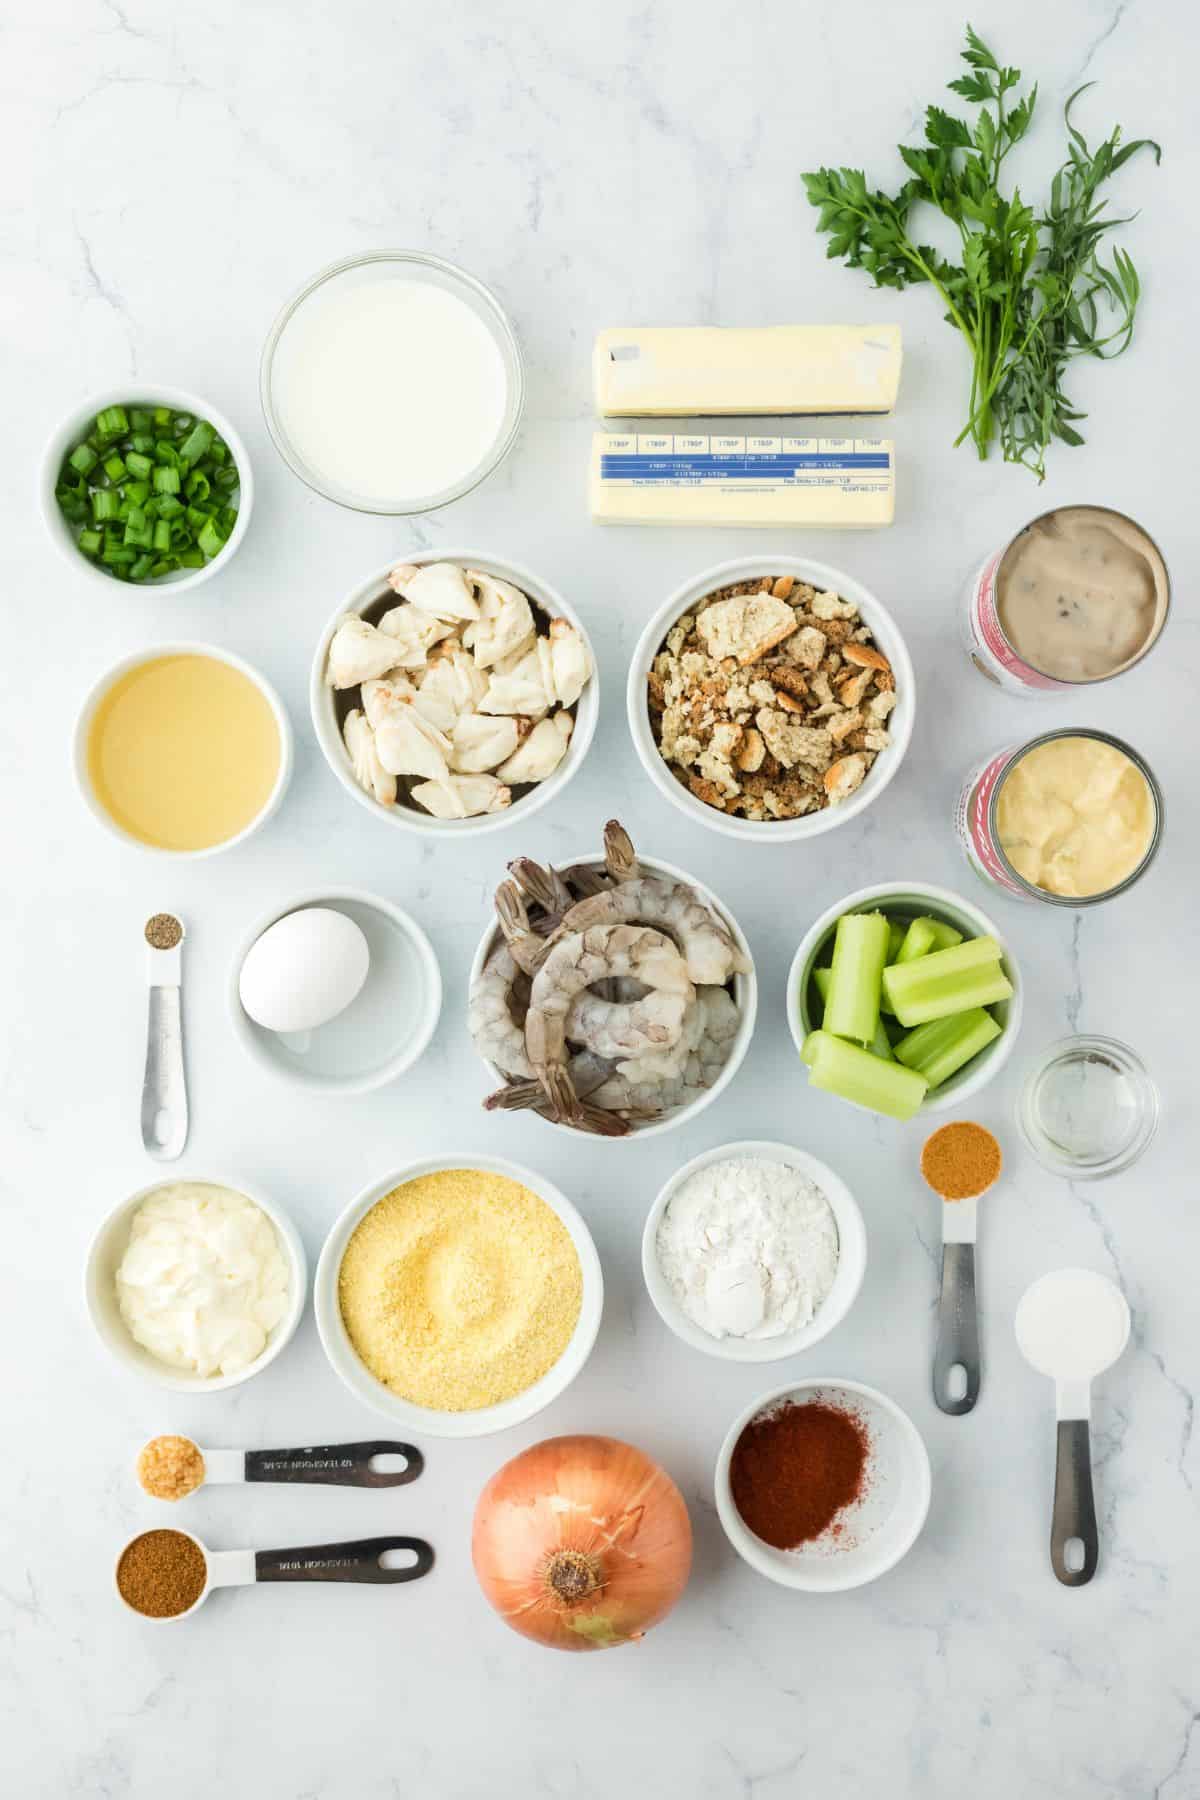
(1088,1108)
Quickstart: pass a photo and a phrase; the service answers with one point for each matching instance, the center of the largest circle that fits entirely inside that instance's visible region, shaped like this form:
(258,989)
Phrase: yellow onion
(582,1543)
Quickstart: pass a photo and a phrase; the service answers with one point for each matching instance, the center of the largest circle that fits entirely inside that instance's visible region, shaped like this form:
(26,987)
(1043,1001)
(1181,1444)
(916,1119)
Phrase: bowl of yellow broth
(183,749)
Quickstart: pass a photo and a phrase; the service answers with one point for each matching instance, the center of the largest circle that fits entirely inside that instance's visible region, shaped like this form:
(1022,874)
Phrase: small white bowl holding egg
(385,795)
(338,991)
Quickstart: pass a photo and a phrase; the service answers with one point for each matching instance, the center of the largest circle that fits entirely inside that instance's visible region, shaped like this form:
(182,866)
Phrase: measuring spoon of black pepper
(359,1559)
(315,1465)
(164,1084)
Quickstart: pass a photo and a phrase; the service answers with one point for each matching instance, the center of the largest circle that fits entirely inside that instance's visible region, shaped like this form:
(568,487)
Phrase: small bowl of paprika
(823,1485)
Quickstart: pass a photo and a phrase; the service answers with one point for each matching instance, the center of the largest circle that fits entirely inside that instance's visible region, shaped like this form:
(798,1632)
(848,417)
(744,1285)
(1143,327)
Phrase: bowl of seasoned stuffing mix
(771,698)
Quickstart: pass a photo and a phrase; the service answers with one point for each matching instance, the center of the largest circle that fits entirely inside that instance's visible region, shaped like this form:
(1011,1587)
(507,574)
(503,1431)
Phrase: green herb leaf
(1032,291)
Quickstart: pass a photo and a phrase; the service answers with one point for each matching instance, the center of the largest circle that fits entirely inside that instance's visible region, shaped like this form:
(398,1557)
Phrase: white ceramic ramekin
(879,1531)
(887,636)
(346,1363)
(910,899)
(410,818)
(108,1246)
(87,712)
(745,993)
(71,431)
(417,1014)
(851,1267)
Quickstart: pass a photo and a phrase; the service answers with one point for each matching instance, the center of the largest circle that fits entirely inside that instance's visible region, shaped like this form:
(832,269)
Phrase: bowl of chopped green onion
(903,999)
(149,486)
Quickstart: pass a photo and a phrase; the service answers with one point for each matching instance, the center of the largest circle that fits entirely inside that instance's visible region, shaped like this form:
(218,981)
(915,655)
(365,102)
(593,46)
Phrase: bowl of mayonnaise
(195,1284)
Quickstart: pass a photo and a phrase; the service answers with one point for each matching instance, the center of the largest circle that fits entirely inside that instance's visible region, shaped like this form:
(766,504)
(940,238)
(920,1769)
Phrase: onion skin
(582,1543)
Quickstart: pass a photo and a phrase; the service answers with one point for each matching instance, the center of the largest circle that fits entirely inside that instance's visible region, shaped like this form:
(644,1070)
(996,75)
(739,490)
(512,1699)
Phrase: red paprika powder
(795,1468)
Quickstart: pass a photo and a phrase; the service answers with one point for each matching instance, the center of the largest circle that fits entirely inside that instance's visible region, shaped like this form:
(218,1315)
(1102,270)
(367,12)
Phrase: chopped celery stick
(947,981)
(880,1044)
(944,936)
(840,1068)
(918,941)
(896,930)
(941,1047)
(859,952)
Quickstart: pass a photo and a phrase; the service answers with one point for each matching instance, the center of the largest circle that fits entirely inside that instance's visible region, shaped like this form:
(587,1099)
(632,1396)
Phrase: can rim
(1115,512)
(1076,900)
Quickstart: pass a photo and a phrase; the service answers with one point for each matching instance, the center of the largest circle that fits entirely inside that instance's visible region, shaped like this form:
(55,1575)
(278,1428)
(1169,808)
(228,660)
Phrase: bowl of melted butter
(184,750)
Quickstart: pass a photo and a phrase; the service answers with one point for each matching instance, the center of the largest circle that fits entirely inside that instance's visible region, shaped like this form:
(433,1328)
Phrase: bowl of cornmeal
(459,1296)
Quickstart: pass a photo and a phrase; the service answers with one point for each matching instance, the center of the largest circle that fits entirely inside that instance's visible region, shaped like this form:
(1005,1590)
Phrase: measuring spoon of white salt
(1072,1325)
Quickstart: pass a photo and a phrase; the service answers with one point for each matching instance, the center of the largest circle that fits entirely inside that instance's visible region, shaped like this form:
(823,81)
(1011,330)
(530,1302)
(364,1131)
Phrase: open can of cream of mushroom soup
(1079,595)
(1070,818)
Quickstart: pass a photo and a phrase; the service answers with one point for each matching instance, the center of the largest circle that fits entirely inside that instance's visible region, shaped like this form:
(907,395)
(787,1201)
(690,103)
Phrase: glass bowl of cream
(195,1284)
(392,382)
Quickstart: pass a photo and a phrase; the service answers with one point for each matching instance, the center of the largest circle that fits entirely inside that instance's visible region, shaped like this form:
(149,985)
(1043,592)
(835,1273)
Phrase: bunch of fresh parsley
(1031,291)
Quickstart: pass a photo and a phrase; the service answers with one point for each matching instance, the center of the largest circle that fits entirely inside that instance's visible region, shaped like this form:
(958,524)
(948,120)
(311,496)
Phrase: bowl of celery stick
(903,999)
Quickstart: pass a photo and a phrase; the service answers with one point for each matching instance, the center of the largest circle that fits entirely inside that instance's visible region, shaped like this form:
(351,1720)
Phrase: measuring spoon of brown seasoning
(168,1575)
(171,1467)
(960,1162)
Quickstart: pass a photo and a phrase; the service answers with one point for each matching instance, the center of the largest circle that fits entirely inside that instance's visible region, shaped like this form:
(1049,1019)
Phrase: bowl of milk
(392,383)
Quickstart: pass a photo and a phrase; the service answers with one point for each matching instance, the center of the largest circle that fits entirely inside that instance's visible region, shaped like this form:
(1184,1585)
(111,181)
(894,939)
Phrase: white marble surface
(172,174)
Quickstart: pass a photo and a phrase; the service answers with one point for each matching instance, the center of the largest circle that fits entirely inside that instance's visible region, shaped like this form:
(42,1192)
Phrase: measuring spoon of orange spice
(960,1162)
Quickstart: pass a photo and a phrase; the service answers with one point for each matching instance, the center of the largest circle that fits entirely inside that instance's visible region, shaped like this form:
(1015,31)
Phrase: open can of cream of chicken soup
(1077,596)
(1070,818)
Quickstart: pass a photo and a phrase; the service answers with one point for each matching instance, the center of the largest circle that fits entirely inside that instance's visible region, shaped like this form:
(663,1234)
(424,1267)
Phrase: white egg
(304,970)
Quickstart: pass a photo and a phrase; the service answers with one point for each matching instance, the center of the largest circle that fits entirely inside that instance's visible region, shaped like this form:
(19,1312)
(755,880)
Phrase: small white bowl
(851,1266)
(821,576)
(481,1422)
(745,993)
(87,713)
(410,818)
(877,1531)
(108,1246)
(910,899)
(387,1026)
(71,431)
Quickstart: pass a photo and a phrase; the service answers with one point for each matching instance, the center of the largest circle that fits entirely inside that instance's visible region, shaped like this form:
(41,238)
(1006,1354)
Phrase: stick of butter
(708,371)
(678,479)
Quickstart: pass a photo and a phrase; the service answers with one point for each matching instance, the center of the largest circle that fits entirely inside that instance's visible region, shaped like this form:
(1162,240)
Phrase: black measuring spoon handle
(1074,1504)
(357,1560)
(336,1465)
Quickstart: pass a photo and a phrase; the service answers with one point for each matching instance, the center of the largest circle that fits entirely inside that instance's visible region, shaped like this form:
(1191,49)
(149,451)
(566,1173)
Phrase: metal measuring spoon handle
(958,1330)
(336,1465)
(1074,1514)
(357,1560)
(164,1085)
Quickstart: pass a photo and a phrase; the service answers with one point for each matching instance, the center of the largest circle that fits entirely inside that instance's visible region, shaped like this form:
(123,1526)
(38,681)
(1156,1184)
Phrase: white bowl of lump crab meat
(771,698)
(452,690)
(614,996)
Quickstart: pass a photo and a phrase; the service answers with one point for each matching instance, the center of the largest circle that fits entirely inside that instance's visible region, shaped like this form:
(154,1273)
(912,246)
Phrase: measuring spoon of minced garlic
(171,1467)
(164,1086)
(960,1162)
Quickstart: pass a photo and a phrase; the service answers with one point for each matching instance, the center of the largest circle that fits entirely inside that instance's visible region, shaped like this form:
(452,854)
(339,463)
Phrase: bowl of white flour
(753,1251)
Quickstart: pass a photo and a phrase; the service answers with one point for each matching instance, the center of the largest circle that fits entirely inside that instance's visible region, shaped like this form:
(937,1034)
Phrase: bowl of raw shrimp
(547,741)
(636,1035)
